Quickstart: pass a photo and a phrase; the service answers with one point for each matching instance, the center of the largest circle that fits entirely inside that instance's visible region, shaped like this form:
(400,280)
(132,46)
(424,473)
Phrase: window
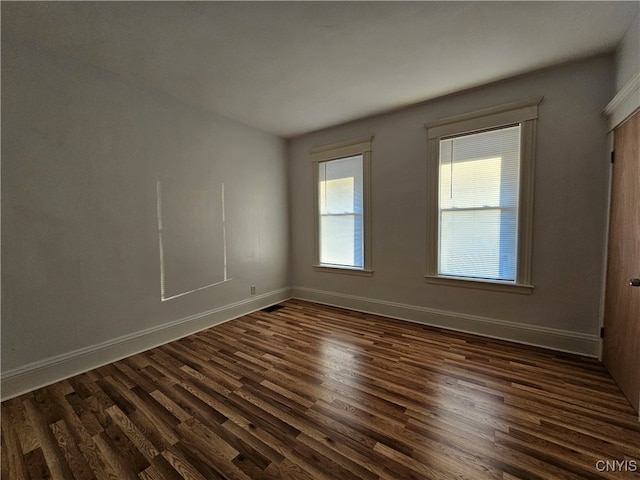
(480,198)
(478,204)
(341,184)
(340,207)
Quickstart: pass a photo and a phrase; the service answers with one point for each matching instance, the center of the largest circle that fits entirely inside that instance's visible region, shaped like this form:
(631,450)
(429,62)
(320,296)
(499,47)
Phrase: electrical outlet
(253,289)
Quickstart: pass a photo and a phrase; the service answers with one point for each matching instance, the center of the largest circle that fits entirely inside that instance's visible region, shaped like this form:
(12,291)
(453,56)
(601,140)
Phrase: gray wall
(82,152)
(571,184)
(628,55)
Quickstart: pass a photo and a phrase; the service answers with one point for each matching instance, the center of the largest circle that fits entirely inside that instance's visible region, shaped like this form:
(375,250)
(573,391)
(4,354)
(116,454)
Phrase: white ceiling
(294,67)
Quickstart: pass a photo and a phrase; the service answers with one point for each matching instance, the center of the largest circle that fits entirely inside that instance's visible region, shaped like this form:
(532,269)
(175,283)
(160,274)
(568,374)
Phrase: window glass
(340,205)
(478,204)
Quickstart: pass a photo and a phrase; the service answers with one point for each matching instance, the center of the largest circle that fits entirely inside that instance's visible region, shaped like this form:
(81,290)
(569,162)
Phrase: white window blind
(340,205)
(478,204)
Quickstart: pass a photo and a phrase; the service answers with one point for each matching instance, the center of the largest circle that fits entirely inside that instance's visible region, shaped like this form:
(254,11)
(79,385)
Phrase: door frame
(625,104)
(619,109)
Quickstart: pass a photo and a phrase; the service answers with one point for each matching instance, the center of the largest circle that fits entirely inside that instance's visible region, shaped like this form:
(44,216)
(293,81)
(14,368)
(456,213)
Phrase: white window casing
(341,177)
(522,114)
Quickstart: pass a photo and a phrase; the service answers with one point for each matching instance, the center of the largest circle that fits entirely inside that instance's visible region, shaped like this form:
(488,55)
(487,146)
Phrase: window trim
(336,151)
(525,113)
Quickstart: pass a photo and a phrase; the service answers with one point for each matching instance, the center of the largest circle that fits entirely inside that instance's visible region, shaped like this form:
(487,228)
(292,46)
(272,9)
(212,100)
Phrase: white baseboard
(38,374)
(555,339)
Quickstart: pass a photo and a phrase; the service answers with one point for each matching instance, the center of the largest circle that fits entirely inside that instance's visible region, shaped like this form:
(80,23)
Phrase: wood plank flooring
(314,392)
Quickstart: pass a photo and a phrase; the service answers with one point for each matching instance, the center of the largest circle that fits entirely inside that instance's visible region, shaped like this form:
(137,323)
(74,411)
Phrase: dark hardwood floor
(314,392)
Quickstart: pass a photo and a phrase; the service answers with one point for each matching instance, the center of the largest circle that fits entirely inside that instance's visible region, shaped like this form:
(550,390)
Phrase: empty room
(320,240)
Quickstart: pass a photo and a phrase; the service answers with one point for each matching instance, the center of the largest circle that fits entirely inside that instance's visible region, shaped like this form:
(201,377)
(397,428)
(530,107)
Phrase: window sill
(495,286)
(346,270)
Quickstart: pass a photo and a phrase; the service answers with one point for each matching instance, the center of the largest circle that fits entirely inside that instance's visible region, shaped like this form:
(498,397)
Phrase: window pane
(336,196)
(340,206)
(478,202)
(340,239)
(471,184)
(478,244)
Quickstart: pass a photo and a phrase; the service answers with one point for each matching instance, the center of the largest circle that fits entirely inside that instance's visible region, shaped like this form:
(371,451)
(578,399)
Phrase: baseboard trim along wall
(561,340)
(38,374)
